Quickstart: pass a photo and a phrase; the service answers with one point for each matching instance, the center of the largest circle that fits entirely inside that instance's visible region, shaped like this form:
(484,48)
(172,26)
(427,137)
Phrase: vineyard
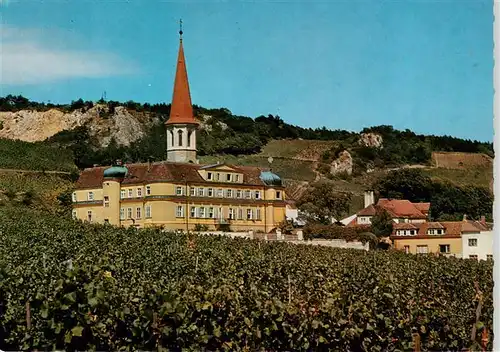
(67,285)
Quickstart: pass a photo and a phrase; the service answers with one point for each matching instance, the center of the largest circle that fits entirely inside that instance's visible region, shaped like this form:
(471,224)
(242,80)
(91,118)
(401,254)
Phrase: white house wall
(484,245)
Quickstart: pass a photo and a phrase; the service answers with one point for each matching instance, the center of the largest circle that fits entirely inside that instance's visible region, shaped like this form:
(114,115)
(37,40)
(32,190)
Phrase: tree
(322,202)
(381,223)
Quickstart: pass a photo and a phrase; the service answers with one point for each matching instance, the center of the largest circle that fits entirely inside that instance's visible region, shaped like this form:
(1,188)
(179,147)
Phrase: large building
(179,193)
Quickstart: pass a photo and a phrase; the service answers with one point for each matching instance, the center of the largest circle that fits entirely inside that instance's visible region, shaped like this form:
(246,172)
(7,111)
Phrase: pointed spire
(181,111)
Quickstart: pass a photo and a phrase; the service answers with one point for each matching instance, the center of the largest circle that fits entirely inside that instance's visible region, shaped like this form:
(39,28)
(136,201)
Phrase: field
(43,189)
(15,154)
(103,288)
(456,160)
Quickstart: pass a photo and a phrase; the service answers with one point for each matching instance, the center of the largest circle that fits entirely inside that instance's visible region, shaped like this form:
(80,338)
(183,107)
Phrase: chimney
(369,198)
(483,219)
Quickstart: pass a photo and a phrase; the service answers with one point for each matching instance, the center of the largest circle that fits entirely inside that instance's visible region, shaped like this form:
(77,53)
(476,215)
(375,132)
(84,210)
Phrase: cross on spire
(180,28)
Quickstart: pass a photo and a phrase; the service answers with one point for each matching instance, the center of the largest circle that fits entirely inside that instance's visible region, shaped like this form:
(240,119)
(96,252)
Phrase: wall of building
(483,248)
(433,244)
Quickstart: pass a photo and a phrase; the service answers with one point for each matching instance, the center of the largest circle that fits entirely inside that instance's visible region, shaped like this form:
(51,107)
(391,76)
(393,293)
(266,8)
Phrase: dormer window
(209,176)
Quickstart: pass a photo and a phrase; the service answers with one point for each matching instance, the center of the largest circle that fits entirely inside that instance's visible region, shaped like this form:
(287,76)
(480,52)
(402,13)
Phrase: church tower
(181,125)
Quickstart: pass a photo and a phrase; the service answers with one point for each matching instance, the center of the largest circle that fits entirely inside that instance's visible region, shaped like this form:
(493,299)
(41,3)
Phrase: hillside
(82,134)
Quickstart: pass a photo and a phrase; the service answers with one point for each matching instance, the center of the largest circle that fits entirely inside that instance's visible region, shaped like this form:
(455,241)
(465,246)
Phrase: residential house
(478,244)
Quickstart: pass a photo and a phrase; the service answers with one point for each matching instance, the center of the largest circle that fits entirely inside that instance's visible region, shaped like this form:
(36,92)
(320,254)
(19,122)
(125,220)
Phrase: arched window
(180,138)
(189,138)
(171,138)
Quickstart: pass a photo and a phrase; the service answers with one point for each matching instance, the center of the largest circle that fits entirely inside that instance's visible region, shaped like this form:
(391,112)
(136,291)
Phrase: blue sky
(422,65)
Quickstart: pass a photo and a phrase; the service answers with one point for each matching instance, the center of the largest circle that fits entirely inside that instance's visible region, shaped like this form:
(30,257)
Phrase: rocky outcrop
(207,124)
(343,164)
(33,126)
(372,140)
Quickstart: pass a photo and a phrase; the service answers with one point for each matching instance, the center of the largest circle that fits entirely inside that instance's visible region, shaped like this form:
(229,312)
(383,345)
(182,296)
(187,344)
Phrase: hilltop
(43,137)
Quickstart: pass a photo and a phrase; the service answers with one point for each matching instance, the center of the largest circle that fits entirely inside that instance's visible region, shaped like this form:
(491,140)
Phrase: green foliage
(200,227)
(16,154)
(448,201)
(381,223)
(322,202)
(104,288)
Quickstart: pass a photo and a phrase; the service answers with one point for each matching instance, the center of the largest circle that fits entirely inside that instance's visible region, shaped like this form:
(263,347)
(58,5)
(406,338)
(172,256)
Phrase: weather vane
(180,27)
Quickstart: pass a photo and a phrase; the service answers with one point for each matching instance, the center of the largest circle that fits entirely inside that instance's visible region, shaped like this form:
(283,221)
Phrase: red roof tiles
(181,111)
(163,171)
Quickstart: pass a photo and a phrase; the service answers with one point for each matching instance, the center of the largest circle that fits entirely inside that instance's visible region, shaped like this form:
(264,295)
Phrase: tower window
(189,138)
(179,133)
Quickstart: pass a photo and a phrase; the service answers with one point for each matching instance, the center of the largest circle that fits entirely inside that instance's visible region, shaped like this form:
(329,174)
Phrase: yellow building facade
(212,197)
(180,194)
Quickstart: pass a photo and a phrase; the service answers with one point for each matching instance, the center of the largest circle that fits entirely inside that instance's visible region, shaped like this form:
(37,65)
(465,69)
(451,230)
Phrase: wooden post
(28,315)
(289,290)
(416,342)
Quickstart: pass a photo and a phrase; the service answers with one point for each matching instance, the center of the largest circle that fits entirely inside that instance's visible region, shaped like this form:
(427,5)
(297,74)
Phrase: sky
(421,65)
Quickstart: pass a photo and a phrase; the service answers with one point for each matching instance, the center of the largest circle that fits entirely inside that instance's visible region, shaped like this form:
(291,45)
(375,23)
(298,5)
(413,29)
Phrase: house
(179,193)
(478,244)
(400,210)
(446,237)
(292,213)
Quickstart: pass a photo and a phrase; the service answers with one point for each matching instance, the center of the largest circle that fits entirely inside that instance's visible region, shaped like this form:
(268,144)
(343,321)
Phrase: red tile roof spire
(181,111)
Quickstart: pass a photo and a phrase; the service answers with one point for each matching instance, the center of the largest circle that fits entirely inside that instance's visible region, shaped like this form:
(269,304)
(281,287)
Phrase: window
(439,232)
(221,213)
(192,191)
(444,248)
(210,192)
(257,214)
(148,190)
(89,215)
(231,214)
(91,196)
(473,256)
(122,214)
(247,194)
(472,242)
(74,214)
(228,177)
(278,195)
(407,249)
(489,256)
(73,196)
(139,192)
(209,176)
(257,194)
(179,134)
(202,212)
(189,138)
(178,190)
(122,194)
(129,213)
(201,192)
(422,249)
(249,214)
(220,193)
(237,178)
(240,214)
(130,193)
(238,193)
(106,201)
(412,232)
(211,213)
(138,213)
(229,193)
(147,211)
(193,212)
(179,211)
(217,176)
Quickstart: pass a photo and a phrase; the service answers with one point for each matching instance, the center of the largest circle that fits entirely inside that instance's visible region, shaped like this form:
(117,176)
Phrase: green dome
(270,178)
(116,171)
